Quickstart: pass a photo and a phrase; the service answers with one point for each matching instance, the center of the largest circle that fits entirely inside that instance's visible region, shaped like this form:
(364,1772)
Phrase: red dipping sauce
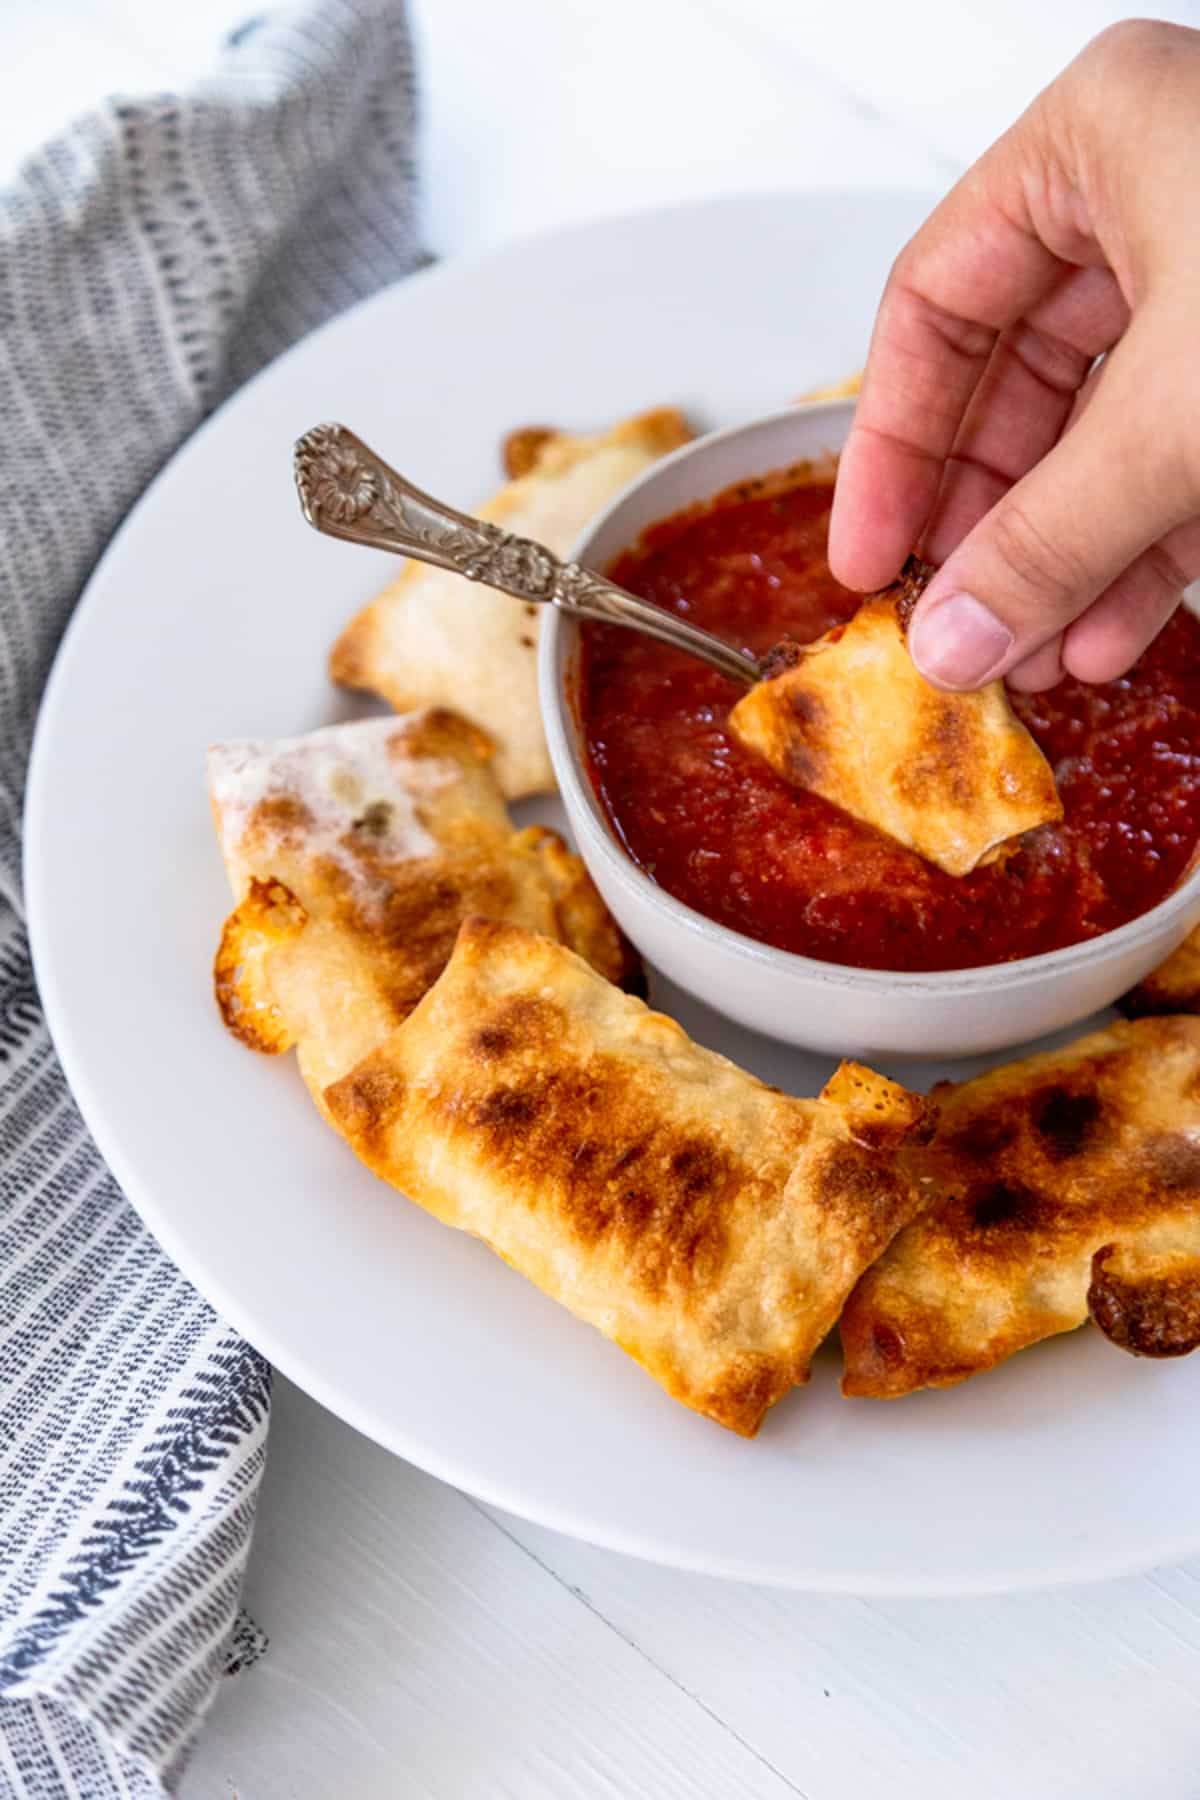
(723,833)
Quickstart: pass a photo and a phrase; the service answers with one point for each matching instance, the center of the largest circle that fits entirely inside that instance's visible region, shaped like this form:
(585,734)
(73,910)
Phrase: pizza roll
(709,1224)
(435,639)
(1174,987)
(355,853)
(1063,1186)
(846,389)
(954,777)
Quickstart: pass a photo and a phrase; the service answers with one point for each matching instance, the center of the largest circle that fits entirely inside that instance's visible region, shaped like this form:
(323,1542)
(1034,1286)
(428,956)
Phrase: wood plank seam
(590,1605)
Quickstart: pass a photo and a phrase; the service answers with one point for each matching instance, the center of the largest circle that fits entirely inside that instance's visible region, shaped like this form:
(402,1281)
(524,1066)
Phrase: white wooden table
(422,1644)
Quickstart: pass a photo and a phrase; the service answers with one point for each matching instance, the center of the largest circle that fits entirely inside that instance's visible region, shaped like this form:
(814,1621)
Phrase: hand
(1061,497)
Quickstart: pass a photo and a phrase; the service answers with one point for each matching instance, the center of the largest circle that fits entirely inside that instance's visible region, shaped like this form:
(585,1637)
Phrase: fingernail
(957,642)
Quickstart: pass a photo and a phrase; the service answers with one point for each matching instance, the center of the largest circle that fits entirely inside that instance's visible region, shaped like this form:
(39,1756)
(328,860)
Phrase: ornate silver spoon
(348,492)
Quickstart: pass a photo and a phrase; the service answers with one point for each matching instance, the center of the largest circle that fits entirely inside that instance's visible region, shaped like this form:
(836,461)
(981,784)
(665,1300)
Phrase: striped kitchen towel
(151,258)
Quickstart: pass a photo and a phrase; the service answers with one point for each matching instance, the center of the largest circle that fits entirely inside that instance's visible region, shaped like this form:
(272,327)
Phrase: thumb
(1114,484)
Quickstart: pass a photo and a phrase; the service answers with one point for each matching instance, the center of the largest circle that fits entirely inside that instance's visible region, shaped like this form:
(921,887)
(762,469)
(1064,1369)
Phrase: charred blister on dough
(1037,1170)
(955,778)
(708,1224)
(1151,1306)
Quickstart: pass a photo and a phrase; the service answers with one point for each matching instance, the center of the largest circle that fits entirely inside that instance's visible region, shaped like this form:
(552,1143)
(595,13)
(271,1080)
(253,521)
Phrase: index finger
(974,268)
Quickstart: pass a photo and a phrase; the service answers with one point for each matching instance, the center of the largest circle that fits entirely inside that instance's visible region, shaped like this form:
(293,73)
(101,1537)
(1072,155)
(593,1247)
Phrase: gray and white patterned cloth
(151,257)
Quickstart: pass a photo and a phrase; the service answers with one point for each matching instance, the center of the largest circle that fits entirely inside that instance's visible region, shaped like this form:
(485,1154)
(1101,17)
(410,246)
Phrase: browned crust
(1151,1310)
(658,430)
(878,1112)
(914,579)
(783,655)
(268,916)
(438,731)
(520,449)
(954,778)
(708,1224)
(751,1385)
(382,920)
(1062,1185)
(833,390)
(584,923)
(350,654)
(1174,987)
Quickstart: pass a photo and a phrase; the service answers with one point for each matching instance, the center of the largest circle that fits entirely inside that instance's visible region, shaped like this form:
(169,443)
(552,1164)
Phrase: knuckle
(1186,475)
(1051,360)
(1166,571)
(1128,38)
(1039,568)
(1103,90)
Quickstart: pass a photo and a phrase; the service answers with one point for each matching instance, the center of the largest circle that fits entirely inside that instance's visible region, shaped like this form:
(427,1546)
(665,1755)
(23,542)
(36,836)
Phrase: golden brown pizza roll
(355,853)
(1174,987)
(1061,1186)
(954,777)
(435,639)
(708,1224)
(845,389)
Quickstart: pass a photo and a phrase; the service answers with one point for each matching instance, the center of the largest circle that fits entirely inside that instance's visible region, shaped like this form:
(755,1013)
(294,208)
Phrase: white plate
(210,616)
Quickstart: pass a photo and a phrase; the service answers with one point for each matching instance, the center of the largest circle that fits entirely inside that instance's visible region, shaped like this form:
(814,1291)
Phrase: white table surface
(422,1644)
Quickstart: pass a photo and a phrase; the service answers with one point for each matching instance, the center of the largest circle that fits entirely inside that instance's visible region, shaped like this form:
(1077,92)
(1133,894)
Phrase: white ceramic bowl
(820,1005)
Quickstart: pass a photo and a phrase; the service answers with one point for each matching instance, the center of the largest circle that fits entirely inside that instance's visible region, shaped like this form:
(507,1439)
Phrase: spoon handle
(348,492)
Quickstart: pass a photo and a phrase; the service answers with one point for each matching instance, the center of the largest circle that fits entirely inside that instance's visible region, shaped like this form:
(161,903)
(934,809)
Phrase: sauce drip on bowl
(719,830)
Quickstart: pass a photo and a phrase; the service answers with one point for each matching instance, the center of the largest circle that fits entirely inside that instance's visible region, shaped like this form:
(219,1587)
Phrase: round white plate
(210,616)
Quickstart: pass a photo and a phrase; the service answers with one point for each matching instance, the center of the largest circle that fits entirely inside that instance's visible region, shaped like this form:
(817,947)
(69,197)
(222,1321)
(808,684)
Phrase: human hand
(1061,499)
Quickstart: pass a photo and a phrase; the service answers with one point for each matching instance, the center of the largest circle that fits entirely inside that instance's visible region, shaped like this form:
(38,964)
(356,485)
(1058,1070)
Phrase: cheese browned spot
(434,639)
(355,853)
(954,777)
(709,1224)
(1061,1186)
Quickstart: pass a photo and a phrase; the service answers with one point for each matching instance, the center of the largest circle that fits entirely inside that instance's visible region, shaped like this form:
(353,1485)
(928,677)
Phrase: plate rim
(1071,1567)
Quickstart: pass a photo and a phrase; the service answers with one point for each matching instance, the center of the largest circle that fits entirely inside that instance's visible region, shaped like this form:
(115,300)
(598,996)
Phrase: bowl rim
(559,635)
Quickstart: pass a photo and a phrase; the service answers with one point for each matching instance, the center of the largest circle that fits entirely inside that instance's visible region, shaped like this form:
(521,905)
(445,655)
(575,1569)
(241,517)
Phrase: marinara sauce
(719,830)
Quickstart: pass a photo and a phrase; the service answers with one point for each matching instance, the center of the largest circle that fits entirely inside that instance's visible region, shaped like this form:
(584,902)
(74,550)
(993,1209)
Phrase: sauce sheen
(718,829)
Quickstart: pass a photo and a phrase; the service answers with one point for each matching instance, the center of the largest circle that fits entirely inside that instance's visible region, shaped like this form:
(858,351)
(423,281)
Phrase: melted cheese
(339,776)
(354,854)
